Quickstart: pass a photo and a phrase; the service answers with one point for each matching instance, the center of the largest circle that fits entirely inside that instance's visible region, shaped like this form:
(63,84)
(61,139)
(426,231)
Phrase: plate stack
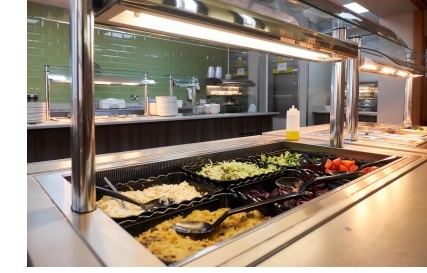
(152,108)
(166,106)
(36,112)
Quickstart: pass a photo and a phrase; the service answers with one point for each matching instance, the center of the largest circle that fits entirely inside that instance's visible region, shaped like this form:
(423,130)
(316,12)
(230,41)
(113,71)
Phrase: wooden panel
(50,144)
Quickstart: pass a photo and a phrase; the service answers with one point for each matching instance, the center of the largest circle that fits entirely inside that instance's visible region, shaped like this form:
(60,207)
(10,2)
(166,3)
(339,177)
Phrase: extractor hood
(222,23)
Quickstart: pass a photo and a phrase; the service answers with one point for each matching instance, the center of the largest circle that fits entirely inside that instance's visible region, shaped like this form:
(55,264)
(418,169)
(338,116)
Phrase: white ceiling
(380,8)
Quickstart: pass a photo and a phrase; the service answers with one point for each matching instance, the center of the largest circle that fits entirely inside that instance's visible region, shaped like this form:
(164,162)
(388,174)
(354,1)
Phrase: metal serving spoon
(294,183)
(115,190)
(150,205)
(199,227)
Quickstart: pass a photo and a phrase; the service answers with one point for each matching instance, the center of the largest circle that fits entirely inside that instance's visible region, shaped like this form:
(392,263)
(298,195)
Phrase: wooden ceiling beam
(421,4)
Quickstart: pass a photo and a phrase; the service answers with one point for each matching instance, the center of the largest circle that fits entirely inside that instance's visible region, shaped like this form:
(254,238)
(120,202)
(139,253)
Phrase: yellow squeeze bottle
(292,124)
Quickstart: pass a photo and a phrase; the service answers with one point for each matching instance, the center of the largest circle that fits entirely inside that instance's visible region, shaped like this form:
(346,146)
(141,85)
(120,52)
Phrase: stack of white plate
(152,108)
(36,112)
(166,106)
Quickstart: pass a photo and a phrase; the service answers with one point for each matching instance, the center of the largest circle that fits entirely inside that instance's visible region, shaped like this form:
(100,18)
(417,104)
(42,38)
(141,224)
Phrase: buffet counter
(380,214)
(60,122)
(51,140)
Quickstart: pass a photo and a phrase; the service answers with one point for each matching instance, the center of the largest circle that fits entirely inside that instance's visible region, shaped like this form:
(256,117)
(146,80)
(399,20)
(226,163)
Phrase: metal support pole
(170,85)
(407,119)
(146,103)
(336,136)
(47,90)
(352,99)
(194,101)
(82,114)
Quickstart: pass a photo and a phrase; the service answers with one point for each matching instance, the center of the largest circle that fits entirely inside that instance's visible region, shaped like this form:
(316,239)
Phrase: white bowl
(200,109)
(214,108)
(207,108)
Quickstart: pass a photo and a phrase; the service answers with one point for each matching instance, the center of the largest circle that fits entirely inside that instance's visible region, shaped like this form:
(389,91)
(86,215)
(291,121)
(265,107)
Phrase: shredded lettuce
(288,159)
(234,170)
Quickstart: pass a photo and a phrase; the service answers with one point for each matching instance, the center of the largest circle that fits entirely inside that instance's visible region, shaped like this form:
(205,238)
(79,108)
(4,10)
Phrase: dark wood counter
(52,141)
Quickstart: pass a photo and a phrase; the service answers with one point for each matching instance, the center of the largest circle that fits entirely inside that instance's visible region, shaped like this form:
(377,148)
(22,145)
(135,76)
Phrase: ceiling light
(356,7)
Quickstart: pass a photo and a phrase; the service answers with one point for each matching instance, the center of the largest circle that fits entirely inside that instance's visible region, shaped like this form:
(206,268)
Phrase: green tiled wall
(48,41)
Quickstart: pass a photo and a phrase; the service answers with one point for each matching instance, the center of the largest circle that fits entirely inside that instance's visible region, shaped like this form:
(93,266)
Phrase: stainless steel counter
(395,142)
(128,119)
(56,236)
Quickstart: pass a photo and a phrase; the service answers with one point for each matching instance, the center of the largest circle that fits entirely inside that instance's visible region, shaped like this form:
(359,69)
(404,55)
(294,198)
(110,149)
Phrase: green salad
(234,170)
(288,159)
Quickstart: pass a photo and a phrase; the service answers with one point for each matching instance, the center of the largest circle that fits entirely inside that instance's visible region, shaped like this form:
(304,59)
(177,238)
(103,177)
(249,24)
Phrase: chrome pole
(407,118)
(336,136)
(146,104)
(170,85)
(194,101)
(352,98)
(82,106)
(47,91)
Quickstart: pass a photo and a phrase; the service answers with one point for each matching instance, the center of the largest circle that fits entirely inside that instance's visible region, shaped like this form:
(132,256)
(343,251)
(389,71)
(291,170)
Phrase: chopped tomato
(353,168)
(348,163)
(328,164)
(343,168)
(337,162)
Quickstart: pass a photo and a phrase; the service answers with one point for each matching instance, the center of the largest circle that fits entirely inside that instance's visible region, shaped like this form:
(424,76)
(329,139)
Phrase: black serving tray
(194,169)
(266,188)
(145,222)
(277,154)
(202,186)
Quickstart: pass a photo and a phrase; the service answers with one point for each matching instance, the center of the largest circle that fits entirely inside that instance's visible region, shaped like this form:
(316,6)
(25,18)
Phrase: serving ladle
(295,184)
(200,227)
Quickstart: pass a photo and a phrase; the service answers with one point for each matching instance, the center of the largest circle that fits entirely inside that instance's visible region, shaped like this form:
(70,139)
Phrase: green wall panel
(48,43)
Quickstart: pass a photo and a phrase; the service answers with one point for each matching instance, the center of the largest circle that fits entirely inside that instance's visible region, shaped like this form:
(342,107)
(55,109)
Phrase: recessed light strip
(173,26)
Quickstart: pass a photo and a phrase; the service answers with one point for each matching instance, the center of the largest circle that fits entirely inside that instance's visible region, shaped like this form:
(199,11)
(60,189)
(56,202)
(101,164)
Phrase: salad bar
(204,187)
(234,195)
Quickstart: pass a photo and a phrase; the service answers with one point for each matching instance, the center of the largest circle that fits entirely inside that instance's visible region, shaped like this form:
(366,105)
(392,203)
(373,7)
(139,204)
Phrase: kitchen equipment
(218,72)
(211,72)
(296,184)
(32,97)
(198,227)
(112,103)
